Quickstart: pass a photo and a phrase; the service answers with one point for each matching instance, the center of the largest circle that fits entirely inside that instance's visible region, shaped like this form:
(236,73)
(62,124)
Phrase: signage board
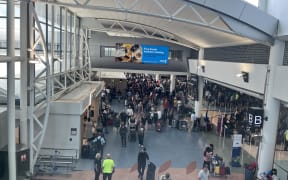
(255,117)
(141,54)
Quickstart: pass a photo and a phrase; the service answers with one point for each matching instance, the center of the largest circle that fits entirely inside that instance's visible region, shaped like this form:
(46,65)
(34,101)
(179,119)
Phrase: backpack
(97,143)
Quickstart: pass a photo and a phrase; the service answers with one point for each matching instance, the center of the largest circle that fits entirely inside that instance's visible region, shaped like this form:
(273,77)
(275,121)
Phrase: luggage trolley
(218,166)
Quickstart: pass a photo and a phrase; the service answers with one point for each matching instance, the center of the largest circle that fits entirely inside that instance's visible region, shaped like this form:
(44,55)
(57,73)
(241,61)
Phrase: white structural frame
(146,31)
(164,14)
(38,124)
(37,133)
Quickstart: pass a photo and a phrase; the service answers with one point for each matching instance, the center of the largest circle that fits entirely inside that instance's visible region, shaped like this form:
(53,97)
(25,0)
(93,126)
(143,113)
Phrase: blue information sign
(154,54)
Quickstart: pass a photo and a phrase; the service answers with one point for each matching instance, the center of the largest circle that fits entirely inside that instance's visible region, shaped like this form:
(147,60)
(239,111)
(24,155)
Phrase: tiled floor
(180,147)
(125,174)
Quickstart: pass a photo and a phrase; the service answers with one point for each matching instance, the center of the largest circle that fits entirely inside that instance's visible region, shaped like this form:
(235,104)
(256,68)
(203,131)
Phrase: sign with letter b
(255,116)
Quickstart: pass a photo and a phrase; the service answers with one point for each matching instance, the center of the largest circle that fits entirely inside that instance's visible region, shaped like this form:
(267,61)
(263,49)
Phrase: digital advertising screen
(141,54)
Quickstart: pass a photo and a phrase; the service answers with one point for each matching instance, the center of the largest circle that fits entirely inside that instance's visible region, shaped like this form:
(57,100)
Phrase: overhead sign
(255,116)
(141,54)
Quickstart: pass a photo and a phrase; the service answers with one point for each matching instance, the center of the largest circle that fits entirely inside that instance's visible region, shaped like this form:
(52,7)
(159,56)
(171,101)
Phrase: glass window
(41,11)
(3,37)
(17,9)
(3,9)
(107,51)
(17,33)
(57,41)
(57,16)
(175,54)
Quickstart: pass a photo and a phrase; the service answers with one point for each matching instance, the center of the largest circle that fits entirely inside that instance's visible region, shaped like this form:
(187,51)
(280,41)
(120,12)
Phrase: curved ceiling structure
(192,23)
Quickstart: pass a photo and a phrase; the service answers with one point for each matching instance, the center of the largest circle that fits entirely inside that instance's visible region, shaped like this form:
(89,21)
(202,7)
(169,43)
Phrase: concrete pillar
(11,91)
(157,77)
(24,74)
(172,82)
(199,101)
(271,111)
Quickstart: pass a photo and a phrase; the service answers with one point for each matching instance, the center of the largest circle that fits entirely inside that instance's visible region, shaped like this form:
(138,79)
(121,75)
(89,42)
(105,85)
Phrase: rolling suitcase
(217,170)
(222,170)
(158,126)
(85,151)
(227,171)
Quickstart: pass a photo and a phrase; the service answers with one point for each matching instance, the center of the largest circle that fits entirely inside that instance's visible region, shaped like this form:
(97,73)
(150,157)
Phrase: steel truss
(41,83)
(215,20)
(140,30)
(38,125)
(202,16)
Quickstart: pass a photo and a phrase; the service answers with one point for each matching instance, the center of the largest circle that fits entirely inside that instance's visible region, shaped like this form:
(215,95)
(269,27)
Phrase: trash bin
(249,174)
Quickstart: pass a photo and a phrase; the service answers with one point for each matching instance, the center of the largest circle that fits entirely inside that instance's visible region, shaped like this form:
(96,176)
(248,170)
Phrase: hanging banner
(141,54)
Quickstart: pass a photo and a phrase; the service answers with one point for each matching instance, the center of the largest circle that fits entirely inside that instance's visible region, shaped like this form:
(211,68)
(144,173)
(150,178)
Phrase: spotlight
(244,75)
(203,68)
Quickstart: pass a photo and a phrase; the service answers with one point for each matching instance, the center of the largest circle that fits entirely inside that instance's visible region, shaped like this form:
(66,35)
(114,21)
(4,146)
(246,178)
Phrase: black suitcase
(93,151)
(150,173)
(85,151)
(227,171)
(132,136)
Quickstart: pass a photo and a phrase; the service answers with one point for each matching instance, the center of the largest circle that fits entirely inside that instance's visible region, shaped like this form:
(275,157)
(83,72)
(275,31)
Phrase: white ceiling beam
(119,23)
(143,29)
(162,8)
(179,10)
(133,4)
(213,20)
(198,14)
(131,11)
(86,2)
(76,2)
(164,15)
(120,3)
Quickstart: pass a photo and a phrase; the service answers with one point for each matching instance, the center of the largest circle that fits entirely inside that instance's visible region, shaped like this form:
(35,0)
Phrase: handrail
(61,149)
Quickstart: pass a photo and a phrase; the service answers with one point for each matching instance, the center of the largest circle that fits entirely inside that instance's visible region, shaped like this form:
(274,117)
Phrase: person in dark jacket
(97,166)
(142,158)
(123,133)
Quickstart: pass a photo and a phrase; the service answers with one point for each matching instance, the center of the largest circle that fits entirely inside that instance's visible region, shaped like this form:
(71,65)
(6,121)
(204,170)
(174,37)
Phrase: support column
(157,77)
(11,90)
(271,111)
(199,100)
(31,70)
(24,74)
(172,82)
(52,48)
(65,48)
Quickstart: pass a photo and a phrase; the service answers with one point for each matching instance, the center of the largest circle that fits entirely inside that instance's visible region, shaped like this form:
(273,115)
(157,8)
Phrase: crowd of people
(149,105)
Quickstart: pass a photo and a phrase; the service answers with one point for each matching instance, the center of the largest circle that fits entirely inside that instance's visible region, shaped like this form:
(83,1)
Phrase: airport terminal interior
(143,89)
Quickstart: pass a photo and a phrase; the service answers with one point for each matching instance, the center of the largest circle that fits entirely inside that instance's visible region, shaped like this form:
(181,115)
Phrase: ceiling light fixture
(244,75)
